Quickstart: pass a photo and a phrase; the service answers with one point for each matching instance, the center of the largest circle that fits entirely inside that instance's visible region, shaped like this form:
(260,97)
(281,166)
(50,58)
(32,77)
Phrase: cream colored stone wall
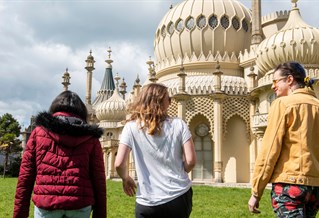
(236,151)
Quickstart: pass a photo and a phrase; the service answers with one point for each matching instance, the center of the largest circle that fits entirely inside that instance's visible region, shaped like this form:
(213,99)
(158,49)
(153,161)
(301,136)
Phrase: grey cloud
(40,39)
(81,22)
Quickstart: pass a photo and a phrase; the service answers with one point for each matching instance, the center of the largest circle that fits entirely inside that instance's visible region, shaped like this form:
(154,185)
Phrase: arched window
(109,135)
(201,22)
(271,98)
(170,28)
(224,22)
(245,25)
(204,151)
(213,22)
(163,31)
(180,25)
(190,23)
(235,23)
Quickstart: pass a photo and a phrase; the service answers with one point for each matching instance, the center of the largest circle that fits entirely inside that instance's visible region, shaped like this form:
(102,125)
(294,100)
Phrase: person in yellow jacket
(289,156)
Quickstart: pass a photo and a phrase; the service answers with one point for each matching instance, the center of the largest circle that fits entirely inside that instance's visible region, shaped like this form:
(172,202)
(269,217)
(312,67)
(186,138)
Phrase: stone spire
(108,86)
(256,23)
(123,88)
(137,86)
(182,96)
(151,70)
(217,78)
(66,80)
(252,79)
(182,82)
(89,67)
(117,78)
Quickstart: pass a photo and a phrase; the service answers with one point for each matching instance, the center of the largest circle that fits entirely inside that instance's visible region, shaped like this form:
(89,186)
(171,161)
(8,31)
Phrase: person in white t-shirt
(164,154)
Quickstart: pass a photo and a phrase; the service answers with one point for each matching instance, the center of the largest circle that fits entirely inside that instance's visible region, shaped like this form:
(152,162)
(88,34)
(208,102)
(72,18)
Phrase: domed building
(217,59)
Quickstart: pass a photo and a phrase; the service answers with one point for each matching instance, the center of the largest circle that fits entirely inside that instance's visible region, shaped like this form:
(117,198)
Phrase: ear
(290,80)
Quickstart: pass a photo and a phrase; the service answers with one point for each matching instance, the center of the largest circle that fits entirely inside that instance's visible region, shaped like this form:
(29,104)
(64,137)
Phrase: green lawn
(208,202)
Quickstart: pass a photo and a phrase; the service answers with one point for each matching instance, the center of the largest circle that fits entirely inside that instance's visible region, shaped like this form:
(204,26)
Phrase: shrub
(15,167)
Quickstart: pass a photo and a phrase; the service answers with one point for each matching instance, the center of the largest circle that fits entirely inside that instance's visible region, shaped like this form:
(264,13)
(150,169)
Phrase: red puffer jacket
(63,166)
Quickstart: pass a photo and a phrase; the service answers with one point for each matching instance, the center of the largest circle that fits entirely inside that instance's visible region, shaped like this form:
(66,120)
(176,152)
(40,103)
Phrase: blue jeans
(84,212)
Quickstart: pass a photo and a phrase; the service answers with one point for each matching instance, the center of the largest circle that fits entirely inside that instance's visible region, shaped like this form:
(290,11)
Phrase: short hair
(70,102)
(294,69)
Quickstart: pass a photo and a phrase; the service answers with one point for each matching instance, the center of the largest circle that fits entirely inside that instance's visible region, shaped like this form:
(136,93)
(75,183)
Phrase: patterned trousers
(295,201)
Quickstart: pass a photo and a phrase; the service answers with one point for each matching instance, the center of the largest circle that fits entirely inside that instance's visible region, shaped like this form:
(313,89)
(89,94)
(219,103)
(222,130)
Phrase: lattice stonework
(236,106)
(173,110)
(200,105)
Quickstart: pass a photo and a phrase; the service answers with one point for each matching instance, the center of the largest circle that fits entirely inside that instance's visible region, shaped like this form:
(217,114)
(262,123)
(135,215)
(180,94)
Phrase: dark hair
(297,71)
(69,101)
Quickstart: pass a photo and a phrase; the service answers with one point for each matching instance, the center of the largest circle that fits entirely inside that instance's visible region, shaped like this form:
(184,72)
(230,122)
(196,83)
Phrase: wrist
(255,196)
(125,177)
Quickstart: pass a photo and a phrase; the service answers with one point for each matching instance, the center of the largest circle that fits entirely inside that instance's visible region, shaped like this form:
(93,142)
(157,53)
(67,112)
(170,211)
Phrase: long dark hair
(70,102)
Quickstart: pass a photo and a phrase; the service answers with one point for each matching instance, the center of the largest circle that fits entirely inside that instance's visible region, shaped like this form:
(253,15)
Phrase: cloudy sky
(39,39)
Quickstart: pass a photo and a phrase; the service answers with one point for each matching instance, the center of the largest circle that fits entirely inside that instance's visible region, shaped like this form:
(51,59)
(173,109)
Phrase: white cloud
(129,60)
(20,109)
(40,39)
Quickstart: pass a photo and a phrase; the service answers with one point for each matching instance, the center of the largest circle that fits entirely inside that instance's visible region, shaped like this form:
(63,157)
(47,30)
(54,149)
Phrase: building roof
(201,28)
(108,86)
(296,41)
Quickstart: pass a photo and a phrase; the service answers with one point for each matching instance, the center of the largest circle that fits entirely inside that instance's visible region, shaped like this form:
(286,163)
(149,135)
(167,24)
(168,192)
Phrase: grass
(208,202)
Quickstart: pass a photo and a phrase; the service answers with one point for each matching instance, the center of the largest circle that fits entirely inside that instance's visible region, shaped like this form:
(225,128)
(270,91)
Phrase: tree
(9,142)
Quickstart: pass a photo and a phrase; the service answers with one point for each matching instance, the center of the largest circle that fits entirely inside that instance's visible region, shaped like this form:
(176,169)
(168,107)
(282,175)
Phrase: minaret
(151,70)
(123,88)
(182,96)
(182,75)
(66,80)
(256,23)
(108,86)
(137,86)
(252,79)
(217,78)
(252,83)
(89,67)
(117,83)
(218,96)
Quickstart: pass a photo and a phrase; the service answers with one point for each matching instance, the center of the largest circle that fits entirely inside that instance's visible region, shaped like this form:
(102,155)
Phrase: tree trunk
(5,164)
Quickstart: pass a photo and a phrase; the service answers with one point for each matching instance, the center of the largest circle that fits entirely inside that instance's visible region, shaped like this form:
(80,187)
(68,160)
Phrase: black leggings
(180,207)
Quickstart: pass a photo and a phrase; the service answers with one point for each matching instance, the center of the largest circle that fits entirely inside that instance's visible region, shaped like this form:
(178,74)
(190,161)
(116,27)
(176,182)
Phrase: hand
(129,186)
(253,204)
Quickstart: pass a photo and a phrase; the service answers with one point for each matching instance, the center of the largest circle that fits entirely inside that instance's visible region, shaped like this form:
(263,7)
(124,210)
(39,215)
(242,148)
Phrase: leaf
(4,145)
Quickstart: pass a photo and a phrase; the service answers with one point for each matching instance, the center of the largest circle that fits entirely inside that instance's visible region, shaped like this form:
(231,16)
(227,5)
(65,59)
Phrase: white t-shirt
(158,161)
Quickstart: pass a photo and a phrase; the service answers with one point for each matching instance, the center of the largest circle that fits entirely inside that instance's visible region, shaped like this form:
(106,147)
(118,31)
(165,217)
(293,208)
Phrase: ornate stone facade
(216,57)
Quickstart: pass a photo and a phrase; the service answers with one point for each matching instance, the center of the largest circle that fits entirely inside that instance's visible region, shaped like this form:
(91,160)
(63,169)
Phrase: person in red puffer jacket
(63,164)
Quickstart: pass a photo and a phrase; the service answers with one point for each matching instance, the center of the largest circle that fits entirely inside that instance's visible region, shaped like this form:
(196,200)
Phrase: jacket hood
(67,129)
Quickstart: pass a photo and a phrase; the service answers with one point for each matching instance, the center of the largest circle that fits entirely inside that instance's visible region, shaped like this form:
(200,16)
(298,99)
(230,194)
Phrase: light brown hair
(147,108)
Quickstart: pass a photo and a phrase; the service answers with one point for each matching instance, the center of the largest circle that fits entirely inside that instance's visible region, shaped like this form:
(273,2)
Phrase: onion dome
(199,29)
(296,41)
(90,57)
(112,109)
(108,86)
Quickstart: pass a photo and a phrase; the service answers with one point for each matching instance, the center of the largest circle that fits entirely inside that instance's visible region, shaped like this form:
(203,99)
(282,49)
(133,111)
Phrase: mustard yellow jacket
(290,147)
